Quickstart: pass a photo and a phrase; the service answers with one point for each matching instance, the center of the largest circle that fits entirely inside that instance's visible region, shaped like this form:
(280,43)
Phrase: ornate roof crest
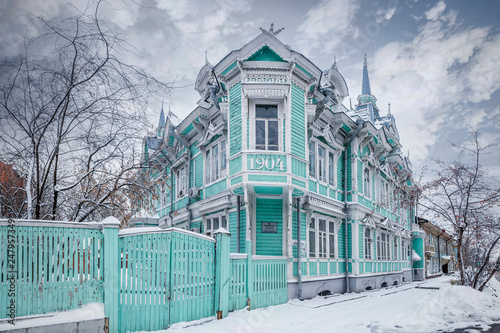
(271,30)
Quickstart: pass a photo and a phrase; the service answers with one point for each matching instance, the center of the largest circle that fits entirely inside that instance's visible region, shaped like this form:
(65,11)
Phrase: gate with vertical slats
(166,277)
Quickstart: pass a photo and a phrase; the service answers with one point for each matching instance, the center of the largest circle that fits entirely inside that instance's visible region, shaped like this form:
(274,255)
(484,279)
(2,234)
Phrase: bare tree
(72,115)
(466,197)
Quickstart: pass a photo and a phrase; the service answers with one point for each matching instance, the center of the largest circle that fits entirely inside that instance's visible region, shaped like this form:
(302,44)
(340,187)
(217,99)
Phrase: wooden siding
(235,165)
(235,138)
(215,188)
(298,122)
(233,230)
(269,210)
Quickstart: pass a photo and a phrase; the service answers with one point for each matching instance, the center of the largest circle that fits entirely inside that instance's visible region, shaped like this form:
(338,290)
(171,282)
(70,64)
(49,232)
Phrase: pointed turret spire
(334,65)
(161,123)
(366,107)
(366,90)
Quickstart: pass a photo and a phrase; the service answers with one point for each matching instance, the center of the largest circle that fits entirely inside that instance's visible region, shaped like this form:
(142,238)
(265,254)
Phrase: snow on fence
(147,278)
(49,266)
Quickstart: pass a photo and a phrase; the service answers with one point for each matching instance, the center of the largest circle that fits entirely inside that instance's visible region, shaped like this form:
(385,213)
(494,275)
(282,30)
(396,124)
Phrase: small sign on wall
(269,228)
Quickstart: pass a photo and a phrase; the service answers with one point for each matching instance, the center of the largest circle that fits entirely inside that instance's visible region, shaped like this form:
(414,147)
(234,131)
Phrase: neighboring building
(12,193)
(270,144)
(440,250)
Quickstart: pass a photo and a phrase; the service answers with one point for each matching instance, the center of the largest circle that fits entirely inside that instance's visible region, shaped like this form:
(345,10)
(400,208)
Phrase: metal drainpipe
(171,197)
(361,124)
(299,254)
(238,228)
(185,144)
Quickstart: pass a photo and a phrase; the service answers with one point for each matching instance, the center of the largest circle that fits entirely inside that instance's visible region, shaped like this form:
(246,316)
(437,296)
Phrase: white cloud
(326,24)
(434,13)
(429,79)
(385,14)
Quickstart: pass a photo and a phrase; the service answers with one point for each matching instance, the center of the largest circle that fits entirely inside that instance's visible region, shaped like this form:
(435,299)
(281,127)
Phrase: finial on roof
(206,57)
(364,62)
(350,103)
(334,65)
(389,108)
(271,30)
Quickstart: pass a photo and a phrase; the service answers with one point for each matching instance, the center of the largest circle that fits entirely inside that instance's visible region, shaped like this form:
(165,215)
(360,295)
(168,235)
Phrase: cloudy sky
(436,62)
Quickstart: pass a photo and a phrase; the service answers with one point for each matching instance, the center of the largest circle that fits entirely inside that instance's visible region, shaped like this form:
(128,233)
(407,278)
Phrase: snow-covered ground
(416,307)
(87,312)
(407,308)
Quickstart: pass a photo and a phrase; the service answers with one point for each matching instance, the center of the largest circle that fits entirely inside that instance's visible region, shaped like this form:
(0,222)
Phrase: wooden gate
(166,277)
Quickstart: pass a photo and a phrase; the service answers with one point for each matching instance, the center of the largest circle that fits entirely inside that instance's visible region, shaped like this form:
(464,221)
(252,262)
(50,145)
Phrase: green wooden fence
(147,278)
(167,276)
(49,266)
(266,286)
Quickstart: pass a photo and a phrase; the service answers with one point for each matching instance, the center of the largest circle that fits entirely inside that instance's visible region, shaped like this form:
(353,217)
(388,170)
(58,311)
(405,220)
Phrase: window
(382,192)
(383,246)
(331,168)
(321,238)
(368,243)
(321,163)
(331,239)
(312,159)
(215,161)
(214,222)
(366,187)
(312,238)
(266,127)
(403,246)
(163,194)
(395,252)
(181,182)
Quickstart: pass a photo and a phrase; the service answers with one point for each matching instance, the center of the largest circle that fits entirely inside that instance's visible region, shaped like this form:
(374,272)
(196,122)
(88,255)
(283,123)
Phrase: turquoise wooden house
(271,154)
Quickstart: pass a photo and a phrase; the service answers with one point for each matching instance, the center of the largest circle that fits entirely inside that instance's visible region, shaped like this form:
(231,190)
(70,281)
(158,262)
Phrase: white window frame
(395,249)
(163,194)
(181,181)
(383,245)
(252,125)
(321,237)
(215,162)
(320,167)
(213,222)
(367,188)
(368,242)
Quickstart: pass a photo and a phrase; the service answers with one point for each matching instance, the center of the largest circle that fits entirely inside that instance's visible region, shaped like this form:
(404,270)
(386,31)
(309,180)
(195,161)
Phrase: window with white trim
(267,127)
(321,233)
(368,243)
(312,159)
(215,161)
(331,168)
(395,252)
(181,182)
(383,246)
(321,163)
(366,183)
(163,194)
(214,222)
(403,249)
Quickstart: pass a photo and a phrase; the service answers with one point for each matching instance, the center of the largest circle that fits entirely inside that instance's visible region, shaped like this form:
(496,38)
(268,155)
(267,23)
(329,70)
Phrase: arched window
(367,187)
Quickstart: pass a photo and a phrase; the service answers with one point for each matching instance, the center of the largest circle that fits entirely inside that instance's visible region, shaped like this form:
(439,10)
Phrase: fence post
(111,272)
(248,250)
(222,272)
